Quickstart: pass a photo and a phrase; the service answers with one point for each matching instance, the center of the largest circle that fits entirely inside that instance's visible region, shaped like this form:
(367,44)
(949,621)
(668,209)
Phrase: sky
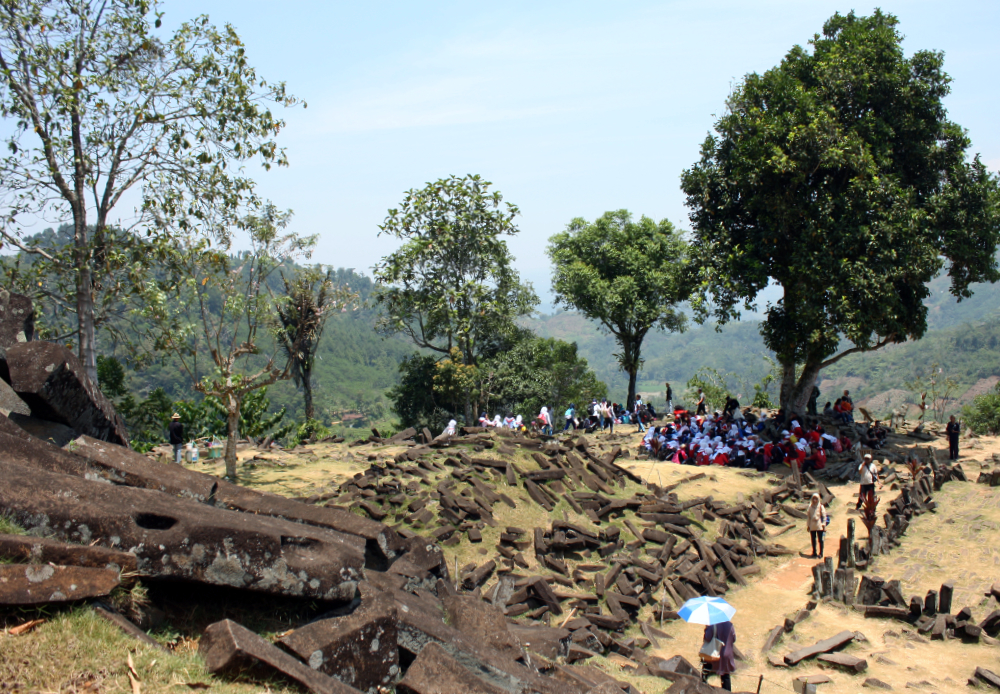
(569,108)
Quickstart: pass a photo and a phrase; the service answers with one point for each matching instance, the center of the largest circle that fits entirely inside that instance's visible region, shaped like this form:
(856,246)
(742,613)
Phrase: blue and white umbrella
(706,610)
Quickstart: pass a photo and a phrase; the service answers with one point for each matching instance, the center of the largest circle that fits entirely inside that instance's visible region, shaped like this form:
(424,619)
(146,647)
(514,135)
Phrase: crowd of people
(596,416)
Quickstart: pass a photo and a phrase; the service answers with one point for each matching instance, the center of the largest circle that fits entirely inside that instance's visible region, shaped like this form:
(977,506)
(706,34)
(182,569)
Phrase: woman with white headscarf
(450,429)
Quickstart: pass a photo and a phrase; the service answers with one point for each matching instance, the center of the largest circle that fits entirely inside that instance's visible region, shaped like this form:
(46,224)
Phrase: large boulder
(9,402)
(54,385)
(179,538)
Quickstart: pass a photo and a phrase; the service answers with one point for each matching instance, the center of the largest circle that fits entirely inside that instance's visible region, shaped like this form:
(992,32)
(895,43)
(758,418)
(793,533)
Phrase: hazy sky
(569,108)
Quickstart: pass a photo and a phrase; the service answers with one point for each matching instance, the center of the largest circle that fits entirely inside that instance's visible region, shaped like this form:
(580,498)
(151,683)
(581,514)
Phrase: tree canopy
(628,275)
(838,176)
(452,284)
(99,104)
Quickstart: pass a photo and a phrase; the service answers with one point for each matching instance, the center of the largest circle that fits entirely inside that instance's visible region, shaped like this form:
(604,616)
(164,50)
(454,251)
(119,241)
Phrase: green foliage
(96,104)
(414,399)
(308,431)
(838,176)
(630,276)
(712,383)
(111,376)
(537,372)
(983,416)
(520,379)
(452,283)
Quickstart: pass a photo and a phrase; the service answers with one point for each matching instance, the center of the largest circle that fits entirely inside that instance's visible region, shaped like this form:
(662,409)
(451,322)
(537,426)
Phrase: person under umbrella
(717,654)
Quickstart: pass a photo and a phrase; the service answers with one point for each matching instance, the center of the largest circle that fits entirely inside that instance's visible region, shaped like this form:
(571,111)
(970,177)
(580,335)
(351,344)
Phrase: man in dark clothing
(176,432)
(670,398)
(953,429)
(811,406)
(701,403)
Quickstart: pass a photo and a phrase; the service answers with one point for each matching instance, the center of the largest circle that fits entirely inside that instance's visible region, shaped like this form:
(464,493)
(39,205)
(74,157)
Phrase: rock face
(435,671)
(9,402)
(38,584)
(38,550)
(54,385)
(183,539)
(358,649)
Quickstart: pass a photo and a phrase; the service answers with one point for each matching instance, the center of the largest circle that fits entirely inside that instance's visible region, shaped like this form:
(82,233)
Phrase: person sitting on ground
(828,410)
(508,421)
(450,429)
(816,520)
(815,460)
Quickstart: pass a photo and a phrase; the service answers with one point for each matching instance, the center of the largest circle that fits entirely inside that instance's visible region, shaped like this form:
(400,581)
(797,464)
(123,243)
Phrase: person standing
(176,433)
(869,476)
(811,405)
(670,399)
(638,409)
(570,416)
(726,664)
(953,429)
(816,520)
(701,403)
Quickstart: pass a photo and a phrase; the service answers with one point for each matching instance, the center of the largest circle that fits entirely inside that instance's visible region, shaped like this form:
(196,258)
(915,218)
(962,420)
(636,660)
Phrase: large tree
(211,298)
(838,177)
(97,105)
(452,283)
(628,275)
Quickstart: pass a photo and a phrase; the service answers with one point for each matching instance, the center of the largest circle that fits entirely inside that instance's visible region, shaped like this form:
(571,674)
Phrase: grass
(8,526)
(76,649)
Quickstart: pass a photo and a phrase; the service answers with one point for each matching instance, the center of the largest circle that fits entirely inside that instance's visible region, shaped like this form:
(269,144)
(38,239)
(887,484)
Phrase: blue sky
(570,108)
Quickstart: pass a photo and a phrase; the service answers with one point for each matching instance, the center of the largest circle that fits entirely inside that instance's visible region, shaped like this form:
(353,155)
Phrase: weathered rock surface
(10,402)
(37,584)
(123,466)
(478,619)
(17,320)
(50,432)
(54,385)
(358,649)
(548,642)
(38,550)
(435,671)
(229,647)
(179,538)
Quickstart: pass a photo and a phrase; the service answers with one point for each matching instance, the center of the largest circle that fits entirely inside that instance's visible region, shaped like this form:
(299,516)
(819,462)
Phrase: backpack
(590,409)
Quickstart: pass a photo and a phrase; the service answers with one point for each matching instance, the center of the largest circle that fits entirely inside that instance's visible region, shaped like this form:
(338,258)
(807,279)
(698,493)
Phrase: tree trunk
(307,394)
(632,374)
(795,392)
(232,434)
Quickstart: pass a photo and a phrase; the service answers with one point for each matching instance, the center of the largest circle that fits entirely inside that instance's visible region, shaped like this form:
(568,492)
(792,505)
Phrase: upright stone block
(54,385)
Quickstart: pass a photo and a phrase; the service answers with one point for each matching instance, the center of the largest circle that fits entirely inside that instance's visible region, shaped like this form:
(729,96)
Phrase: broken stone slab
(10,403)
(845,661)
(91,458)
(691,685)
(420,622)
(54,385)
(358,649)
(478,619)
(39,584)
(107,613)
(548,642)
(50,432)
(824,646)
(228,647)
(874,683)
(987,676)
(181,539)
(38,550)
(435,671)
(672,669)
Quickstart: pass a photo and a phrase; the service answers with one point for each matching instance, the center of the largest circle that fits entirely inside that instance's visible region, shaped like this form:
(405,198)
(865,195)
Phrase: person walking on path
(816,520)
(670,399)
(176,433)
(570,418)
(638,413)
(869,476)
(953,429)
(726,664)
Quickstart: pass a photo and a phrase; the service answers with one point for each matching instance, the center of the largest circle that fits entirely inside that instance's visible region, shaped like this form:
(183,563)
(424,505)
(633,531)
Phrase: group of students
(729,439)
(598,415)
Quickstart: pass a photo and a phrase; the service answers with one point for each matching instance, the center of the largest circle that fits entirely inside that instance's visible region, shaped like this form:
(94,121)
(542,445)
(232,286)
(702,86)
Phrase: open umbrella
(706,610)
